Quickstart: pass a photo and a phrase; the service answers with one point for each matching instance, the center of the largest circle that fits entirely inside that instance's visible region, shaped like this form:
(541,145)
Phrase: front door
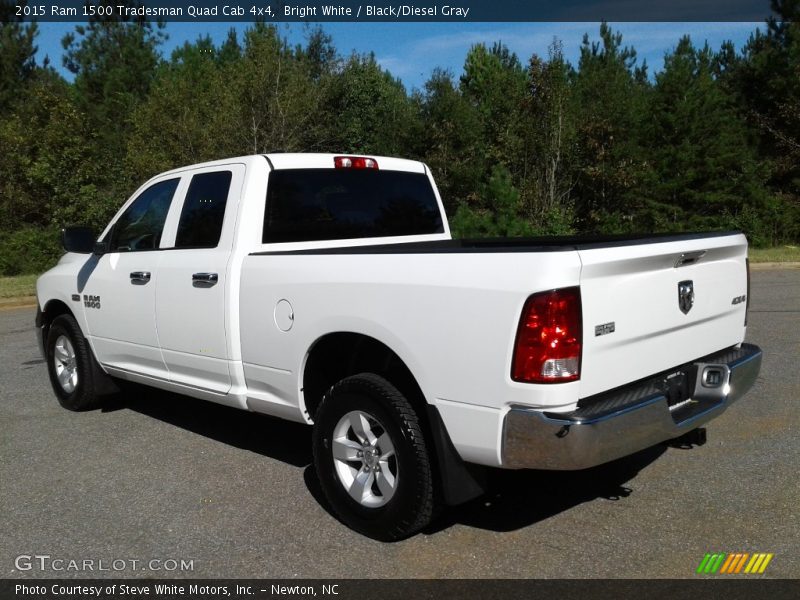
(118,289)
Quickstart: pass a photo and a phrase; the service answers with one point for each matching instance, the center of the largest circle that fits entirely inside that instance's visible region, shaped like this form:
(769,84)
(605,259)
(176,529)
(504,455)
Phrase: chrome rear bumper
(629,419)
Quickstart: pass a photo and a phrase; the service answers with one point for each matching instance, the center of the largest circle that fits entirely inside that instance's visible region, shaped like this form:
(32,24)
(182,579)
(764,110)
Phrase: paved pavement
(158,476)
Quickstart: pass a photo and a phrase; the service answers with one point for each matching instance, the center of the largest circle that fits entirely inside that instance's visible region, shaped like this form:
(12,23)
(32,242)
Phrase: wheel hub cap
(66,364)
(370,457)
(364,459)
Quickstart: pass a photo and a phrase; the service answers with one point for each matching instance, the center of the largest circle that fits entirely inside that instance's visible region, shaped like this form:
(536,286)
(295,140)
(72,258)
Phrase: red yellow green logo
(719,563)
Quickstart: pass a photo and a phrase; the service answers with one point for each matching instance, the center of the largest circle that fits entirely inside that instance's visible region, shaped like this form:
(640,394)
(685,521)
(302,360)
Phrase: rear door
(192,312)
(648,307)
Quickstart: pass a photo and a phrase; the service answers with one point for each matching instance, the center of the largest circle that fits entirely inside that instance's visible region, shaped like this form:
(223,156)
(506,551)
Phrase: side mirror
(104,246)
(100,248)
(78,239)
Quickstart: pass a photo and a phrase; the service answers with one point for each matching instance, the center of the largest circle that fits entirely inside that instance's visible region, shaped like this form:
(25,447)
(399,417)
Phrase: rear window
(305,205)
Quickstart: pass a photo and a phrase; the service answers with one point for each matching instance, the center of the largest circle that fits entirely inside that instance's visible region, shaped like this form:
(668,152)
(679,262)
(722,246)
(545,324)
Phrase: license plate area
(695,389)
(689,389)
(678,387)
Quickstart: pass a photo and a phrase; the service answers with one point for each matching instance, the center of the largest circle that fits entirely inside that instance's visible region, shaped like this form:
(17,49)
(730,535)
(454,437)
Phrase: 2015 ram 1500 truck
(327,290)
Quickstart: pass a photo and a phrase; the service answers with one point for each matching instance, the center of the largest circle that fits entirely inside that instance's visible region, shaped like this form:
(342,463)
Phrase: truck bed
(504,245)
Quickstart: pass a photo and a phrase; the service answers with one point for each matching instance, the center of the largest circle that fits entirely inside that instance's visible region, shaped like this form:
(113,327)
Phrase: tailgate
(638,318)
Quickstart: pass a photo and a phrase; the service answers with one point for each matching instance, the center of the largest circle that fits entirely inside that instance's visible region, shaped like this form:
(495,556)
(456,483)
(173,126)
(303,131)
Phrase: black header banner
(271,11)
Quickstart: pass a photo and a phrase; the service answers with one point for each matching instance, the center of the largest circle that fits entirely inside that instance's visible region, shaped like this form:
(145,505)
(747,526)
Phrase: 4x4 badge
(686,295)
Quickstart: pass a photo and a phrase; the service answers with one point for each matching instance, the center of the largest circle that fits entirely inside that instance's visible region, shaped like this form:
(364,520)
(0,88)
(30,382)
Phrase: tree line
(518,147)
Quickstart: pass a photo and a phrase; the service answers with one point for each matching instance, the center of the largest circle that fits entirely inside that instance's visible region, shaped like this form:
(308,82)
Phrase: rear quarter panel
(451,318)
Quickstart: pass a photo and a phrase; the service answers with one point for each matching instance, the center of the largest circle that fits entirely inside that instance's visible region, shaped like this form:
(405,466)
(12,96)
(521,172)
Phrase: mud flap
(461,481)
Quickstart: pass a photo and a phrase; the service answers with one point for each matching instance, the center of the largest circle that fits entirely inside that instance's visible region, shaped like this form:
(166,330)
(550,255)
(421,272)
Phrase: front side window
(203,210)
(140,226)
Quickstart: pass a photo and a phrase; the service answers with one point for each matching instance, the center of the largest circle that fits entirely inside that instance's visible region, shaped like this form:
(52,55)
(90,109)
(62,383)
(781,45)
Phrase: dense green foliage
(518,148)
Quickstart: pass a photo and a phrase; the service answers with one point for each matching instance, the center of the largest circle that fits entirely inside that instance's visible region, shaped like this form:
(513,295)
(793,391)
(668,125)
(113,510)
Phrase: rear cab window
(203,211)
(305,205)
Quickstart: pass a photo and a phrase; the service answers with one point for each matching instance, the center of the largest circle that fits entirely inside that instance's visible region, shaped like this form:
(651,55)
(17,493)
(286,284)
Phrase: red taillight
(549,338)
(354,162)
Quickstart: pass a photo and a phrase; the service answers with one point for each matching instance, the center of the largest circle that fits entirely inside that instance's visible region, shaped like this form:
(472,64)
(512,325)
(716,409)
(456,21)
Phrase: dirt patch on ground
(774,265)
(19,302)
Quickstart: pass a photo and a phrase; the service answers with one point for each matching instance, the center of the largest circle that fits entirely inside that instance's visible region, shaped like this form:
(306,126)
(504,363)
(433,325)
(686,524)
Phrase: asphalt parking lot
(160,477)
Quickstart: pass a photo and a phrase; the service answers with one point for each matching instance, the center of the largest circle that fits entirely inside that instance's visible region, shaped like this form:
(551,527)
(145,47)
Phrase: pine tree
(494,84)
(502,214)
(17,54)
(368,109)
(550,136)
(767,80)
(610,92)
(451,140)
(189,113)
(702,162)
(114,62)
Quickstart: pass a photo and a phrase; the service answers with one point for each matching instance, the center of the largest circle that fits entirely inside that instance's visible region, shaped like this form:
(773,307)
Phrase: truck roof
(303,160)
(325,161)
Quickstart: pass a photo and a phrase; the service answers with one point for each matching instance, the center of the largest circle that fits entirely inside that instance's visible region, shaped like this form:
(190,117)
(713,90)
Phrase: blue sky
(412,50)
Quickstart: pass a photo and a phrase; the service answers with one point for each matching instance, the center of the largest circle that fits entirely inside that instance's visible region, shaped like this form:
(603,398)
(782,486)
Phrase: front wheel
(70,366)
(371,458)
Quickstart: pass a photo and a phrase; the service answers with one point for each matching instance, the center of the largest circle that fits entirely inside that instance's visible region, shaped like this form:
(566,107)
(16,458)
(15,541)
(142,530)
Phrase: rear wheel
(70,366)
(372,460)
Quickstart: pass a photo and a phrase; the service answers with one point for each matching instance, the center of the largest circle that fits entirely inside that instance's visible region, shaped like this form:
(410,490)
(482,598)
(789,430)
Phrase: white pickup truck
(327,290)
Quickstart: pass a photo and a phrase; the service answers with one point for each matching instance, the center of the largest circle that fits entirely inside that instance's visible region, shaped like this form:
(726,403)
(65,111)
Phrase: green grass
(16,287)
(778,254)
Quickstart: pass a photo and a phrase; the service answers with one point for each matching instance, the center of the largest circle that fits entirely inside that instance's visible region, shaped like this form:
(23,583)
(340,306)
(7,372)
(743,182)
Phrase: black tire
(411,505)
(83,395)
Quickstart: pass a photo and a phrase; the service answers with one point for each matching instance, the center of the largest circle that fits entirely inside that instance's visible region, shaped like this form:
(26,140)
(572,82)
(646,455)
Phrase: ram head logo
(686,296)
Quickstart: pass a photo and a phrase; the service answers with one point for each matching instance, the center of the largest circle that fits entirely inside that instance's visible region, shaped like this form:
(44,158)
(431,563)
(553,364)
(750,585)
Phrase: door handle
(140,277)
(204,279)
